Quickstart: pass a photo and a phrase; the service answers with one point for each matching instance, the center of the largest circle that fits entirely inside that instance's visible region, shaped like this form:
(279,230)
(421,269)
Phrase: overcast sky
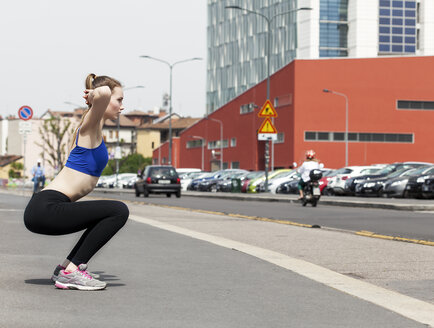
(49,46)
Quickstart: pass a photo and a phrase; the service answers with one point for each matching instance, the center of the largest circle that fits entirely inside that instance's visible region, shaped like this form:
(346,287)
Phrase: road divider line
(406,306)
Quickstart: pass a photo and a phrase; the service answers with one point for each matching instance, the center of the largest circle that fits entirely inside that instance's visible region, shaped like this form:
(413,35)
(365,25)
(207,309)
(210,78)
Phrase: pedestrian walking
(38,173)
(56,210)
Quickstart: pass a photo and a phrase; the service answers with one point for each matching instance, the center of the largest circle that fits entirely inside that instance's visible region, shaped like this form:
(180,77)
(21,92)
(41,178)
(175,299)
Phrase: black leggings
(52,213)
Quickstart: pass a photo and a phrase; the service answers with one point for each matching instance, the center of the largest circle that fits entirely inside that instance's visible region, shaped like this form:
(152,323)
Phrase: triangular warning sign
(267,110)
(267,127)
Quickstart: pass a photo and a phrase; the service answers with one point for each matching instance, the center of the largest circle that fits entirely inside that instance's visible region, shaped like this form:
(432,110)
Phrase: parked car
(374,186)
(102,179)
(183,170)
(194,184)
(275,182)
(374,172)
(110,180)
(414,184)
(323,182)
(158,179)
(397,187)
(211,184)
(187,178)
(123,178)
(428,188)
(129,184)
(224,184)
(289,187)
(249,177)
(350,184)
(258,184)
(336,184)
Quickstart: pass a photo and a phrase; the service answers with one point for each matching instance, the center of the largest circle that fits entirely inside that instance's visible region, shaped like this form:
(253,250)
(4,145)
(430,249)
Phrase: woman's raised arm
(99,99)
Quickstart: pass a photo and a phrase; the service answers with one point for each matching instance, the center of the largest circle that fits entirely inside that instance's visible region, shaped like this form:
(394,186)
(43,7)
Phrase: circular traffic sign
(25,113)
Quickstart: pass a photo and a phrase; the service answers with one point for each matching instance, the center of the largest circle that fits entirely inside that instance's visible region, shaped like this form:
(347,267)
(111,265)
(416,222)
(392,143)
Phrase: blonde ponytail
(89,81)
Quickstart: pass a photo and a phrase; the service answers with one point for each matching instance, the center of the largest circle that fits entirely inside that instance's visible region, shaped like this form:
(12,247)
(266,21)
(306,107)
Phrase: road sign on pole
(267,131)
(267,127)
(267,136)
(267,110)
(25,113)
(24,127)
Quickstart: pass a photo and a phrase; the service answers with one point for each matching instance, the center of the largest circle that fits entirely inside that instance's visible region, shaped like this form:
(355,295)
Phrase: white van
(187,170)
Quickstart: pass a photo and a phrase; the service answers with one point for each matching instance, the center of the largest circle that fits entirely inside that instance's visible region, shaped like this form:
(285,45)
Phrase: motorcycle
(311,191)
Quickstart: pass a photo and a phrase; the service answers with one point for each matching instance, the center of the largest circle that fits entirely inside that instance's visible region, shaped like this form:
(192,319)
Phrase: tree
(129,164)
(54,148)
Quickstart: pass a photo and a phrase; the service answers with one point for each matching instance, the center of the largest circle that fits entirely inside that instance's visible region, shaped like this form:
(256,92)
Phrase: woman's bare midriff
(72,183)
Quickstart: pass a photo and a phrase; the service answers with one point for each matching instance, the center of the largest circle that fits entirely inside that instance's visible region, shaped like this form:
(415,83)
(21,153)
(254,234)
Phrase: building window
(152,145)
(415,105)
(333,31)
(280,137)
(225,165)
(233,142)
(246,108)
(359,137)
(194,143)
(110,134)
(397,27)
(117,134)
(164,160)
(155,161)
(216,144)
(235,165)
(284,100)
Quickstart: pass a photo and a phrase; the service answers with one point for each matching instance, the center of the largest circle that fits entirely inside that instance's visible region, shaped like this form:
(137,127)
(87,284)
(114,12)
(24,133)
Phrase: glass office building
(237,40)
(237,46)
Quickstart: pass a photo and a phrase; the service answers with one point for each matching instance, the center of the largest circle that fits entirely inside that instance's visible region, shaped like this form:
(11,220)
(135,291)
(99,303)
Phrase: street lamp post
(74,104)
(221,139)
(269,21)
(118,150)
(346,120)
(170,94)
(203,144)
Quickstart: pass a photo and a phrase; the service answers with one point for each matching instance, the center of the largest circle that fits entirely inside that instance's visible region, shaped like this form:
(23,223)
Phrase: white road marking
(10,210)
(406,306)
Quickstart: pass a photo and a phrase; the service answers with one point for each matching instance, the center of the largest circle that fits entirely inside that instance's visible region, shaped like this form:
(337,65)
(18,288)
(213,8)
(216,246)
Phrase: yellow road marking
(407,240)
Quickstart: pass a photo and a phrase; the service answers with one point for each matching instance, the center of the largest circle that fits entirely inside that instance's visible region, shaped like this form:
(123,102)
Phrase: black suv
(158,179)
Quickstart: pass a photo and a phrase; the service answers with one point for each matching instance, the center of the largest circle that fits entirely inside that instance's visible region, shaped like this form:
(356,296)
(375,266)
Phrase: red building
(390,106)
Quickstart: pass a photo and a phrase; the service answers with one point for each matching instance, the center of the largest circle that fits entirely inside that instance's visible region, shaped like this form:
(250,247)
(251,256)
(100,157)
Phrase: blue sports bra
(90,161)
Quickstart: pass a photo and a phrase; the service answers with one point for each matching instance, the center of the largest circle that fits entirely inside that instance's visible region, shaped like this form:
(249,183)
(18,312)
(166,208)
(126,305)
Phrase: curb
(291,199)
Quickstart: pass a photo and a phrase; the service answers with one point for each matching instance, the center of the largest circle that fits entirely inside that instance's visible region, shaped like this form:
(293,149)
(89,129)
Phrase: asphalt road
(158,278)
(407,224)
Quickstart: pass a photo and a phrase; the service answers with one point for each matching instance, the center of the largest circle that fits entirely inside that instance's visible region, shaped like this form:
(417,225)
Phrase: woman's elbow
(102,92)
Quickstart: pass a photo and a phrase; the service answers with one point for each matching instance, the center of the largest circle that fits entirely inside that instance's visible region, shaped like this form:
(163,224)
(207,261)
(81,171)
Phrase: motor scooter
(311,191)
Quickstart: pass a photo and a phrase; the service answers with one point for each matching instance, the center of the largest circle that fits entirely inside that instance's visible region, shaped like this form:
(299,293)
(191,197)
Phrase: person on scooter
(308,165)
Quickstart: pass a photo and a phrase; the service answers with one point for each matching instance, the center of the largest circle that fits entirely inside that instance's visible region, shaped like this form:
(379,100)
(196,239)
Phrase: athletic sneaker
(59,267)
(79,279)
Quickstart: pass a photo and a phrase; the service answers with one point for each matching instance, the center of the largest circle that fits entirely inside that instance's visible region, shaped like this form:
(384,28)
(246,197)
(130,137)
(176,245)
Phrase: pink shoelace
(85,274)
